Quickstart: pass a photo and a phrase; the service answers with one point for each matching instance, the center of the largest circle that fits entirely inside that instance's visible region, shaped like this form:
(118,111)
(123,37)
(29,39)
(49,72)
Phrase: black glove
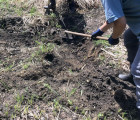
(113,41)
(96,33)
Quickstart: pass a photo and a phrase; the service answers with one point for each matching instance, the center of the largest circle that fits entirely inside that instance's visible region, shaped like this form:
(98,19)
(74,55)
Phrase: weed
(102,42)
(76,108)
(5,85)
(8,68)
(83,112)
(48,86)
(19,11)
(123,115)
(19,99)
(53,15)
(33,55)
(56,104)
(58,26)
(100,115)
(45,48)
(17,108)
(6,111)
(70,102)
(26,110)
(50,47)
(26,66)
(72,92)
(30,101)
(13,116)
(33,10)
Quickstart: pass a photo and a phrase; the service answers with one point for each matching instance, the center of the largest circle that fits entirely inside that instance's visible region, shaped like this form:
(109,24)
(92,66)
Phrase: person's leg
(135,71)
(131,44)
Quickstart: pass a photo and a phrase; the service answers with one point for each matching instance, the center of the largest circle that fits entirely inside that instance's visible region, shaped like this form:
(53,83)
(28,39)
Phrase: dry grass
(40,3)
(87,3)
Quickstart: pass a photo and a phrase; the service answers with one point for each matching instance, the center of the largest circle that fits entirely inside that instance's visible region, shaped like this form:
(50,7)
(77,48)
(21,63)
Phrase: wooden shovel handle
(84,35)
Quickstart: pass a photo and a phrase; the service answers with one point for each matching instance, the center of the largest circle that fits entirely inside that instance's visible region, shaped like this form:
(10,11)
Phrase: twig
(108,52)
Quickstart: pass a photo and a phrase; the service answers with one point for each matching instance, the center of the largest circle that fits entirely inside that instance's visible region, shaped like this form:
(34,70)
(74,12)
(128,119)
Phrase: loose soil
(66,82)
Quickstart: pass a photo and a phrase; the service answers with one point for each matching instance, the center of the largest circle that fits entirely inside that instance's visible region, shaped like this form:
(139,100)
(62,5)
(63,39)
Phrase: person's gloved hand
(96,33)
(113,41)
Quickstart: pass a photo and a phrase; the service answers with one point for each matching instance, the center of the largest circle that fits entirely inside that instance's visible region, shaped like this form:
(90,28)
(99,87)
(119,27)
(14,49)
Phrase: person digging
(119,13)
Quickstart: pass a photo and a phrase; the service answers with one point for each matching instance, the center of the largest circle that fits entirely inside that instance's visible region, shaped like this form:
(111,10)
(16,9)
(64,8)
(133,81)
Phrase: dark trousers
(133,48)
(131,43)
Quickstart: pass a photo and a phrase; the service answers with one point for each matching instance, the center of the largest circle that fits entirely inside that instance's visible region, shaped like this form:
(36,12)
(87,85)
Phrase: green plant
(42,47)
(33,10)
(30,101)
(50,47)
(76,108)
(45,48)
(19,11)
(13,116)
(70,102)
(100,115)
(58,26)
(53,15)
(26,110)
(83,112)
(6,113)
(72,92)
(17,108)
(9,67)
(48,86)
(102,42)
(5,85)
(26,66)
(56,104)
(19,99)
(6,110)
(123,115)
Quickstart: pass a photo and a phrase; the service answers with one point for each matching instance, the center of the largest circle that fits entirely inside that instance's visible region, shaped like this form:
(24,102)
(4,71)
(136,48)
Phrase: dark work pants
(131,43)
(133,48)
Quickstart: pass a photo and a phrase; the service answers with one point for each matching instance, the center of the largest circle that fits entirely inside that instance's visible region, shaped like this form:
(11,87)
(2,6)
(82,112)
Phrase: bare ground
(45,77)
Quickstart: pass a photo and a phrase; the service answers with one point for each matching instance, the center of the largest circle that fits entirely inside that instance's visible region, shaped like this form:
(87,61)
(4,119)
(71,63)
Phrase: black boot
(127,77)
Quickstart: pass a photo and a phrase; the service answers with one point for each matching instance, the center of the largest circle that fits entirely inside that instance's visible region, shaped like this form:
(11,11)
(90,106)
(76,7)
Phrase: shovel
(84,35)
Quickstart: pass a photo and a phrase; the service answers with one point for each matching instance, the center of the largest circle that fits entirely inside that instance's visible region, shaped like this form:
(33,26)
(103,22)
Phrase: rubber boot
(127,77)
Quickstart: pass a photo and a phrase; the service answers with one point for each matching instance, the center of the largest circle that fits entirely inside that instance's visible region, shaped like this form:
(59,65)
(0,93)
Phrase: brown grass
(87,3)
(41,3)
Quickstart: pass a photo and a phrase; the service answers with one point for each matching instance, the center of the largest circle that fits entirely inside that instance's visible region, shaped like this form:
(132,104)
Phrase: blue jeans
(133,48)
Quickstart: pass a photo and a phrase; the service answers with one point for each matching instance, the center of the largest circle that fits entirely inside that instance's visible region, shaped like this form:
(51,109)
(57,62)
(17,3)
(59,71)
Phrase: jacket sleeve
(113,10)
